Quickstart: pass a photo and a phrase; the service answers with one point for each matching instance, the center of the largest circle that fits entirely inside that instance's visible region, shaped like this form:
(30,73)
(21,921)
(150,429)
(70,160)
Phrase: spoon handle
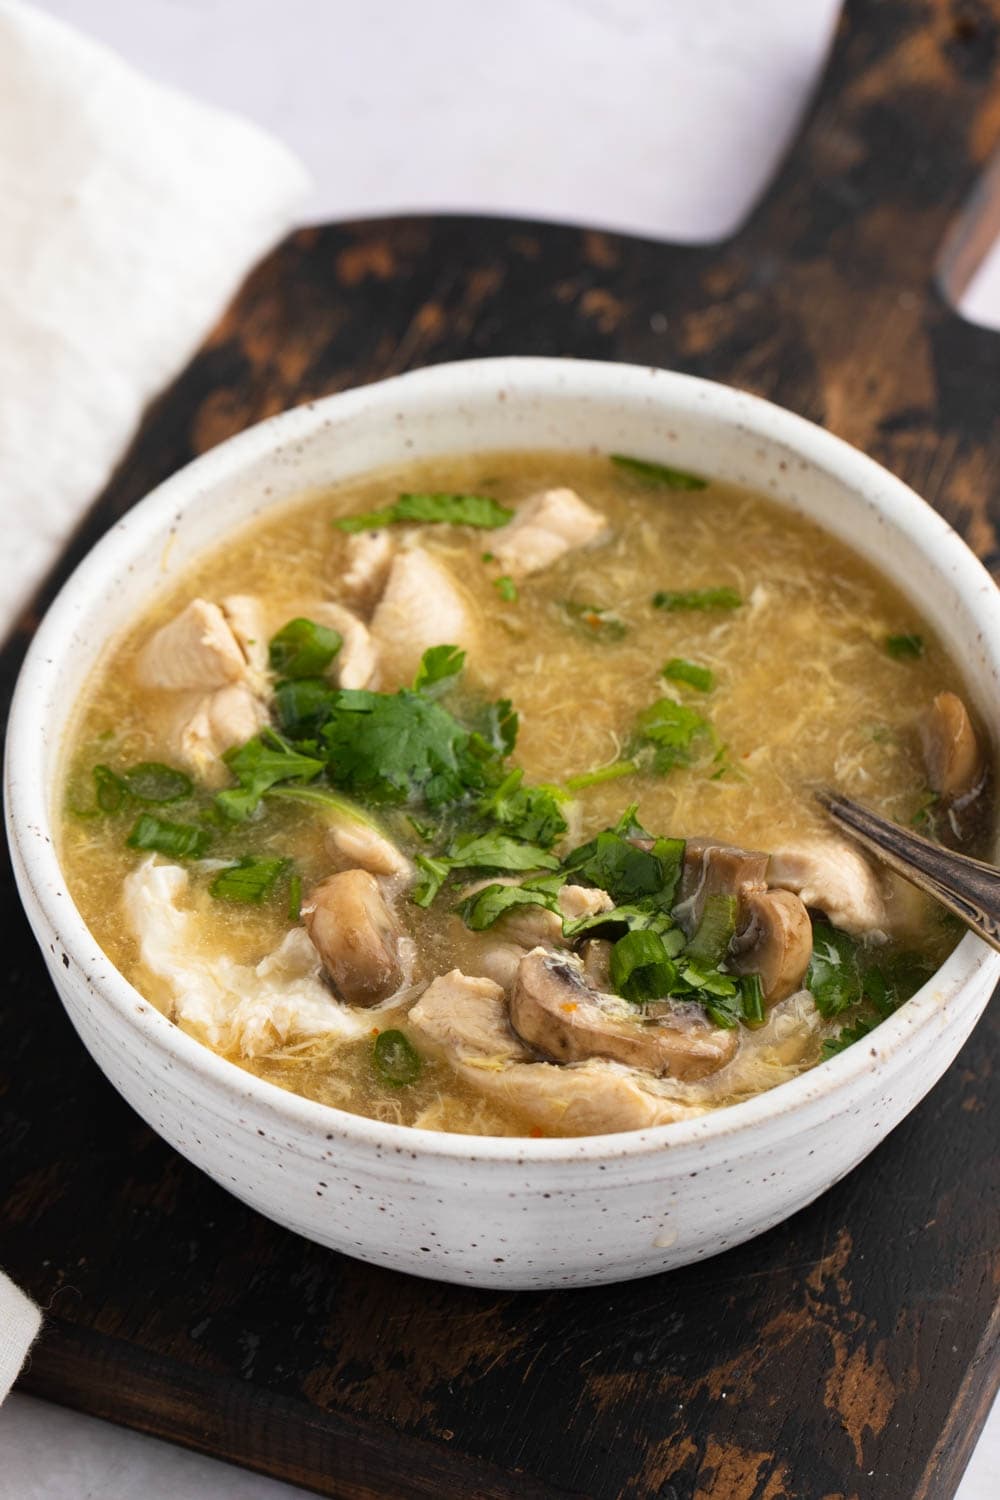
(967,887)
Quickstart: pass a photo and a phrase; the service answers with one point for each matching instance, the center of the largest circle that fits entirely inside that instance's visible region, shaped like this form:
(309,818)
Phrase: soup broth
(687,664)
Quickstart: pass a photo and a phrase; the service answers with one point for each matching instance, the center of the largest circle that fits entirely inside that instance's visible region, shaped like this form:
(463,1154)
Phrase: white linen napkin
(128,216)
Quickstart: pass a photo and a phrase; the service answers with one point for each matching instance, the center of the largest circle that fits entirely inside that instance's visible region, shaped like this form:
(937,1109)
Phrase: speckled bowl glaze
(491,1211)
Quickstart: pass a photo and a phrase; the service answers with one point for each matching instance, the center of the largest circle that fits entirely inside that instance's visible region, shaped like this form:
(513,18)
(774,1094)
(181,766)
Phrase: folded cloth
(128,216)
(20,1321)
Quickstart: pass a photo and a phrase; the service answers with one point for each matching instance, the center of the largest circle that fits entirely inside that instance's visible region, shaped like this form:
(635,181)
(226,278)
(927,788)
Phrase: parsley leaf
(654,473)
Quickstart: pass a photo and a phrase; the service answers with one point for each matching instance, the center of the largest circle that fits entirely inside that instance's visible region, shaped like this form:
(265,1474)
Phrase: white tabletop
(631,114)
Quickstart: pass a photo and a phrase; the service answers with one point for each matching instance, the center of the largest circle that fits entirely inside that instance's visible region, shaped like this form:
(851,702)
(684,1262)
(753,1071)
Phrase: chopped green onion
(444,509)
(904,647)
(704,599)
(303,649)
(603,773)
(395,1059)
(752,993)
(151,781)
(250,879)
(506,588)
(110,790)
(678,669)
(181,840)
(715,930)
(303,705)
(654,473)
(295,898)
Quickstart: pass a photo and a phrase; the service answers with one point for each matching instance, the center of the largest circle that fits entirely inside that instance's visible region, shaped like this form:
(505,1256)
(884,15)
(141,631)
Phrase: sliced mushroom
(776,944)
(956,765)
(554,1008)
(714,869)
(356,936)
(464,1022)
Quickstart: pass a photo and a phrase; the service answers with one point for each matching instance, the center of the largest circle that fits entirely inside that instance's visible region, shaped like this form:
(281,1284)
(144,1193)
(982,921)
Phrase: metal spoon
(968,887)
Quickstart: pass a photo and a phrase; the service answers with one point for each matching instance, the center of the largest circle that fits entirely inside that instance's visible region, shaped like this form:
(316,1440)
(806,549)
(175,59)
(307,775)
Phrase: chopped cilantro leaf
(258,765)
(303,649)
(438,667)
(483,908)
(833,977)
(434,872)
(627,872)
(397,747)
(654,473)
(529,813)
(641,968)
(673,730)
(704,599)
(847,1036)
(497,851)
(506,588)
(250,879)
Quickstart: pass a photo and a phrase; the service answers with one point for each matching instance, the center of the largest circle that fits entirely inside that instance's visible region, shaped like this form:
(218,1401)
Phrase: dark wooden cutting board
(852,1352)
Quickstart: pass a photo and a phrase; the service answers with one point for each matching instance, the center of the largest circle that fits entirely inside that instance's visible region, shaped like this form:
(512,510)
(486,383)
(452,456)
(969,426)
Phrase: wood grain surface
(854,1351)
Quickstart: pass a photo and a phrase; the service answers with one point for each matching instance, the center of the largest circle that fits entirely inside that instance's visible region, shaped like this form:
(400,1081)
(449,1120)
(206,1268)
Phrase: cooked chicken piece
(356,936)
(546,526)
(583,901)
(499,960)
(554,1009)
(216,722)
(356,664)
(776,944)
(196,649)
(713,869)
(833,877)
(245,617)
(464,1021)
(956,766)
(352,837)
(422,606)
(368,557)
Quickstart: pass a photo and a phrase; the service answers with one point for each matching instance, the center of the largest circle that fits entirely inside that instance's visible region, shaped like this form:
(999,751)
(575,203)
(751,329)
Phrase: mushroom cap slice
(714,869)
(463,1021)
(554,1009)
(356,936)
(776,944)
(952,753)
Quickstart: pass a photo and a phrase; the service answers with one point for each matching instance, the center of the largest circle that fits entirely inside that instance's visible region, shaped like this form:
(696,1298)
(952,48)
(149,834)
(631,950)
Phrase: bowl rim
(27,798)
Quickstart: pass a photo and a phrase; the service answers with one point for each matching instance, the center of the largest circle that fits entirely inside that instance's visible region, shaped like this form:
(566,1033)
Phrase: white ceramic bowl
(493,1211)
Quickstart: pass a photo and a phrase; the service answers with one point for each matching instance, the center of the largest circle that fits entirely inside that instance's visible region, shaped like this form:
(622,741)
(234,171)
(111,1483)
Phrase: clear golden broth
(806,694)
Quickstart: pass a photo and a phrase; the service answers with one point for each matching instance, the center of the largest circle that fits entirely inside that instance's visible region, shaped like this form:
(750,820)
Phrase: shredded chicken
(546,526)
